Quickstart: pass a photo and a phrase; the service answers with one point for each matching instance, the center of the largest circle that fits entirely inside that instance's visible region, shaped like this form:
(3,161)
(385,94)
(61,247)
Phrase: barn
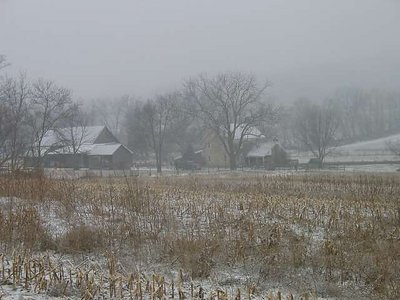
(98,148)
(268,155)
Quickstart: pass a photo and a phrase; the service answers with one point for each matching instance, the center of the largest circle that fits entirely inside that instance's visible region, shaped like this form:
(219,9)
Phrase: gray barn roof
(105,149)
(89,134)
(261,150)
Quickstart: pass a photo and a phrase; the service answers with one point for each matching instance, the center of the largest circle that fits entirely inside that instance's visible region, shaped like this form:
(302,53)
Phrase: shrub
(81,239)
(22,227)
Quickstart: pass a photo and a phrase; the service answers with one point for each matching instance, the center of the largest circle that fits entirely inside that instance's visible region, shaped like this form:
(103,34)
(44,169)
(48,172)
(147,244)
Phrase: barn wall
(74,161)
(122,159)
(279,155)
(100,162)
(215,155)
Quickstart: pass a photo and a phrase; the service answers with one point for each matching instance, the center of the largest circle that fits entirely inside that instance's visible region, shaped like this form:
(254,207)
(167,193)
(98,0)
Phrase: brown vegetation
(327,235)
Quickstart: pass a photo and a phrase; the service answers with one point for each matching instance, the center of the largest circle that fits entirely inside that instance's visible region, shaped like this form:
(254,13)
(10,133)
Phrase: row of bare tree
(350,115)
(230,105)
(28,111)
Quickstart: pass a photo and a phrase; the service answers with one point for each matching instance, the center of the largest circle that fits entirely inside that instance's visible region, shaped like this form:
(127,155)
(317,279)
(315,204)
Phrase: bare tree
(186,132)
(394,147)
(111,112)
(151,122)
(367,114)
(316,128)
(137,138)
(4,132)
(73,133)
(231,105)
(51,104)
(159,117)
(3,62)
(15,93)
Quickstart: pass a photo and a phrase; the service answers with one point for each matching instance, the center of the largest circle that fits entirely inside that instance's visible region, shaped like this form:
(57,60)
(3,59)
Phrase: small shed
(268,155)
(190,160)
(109,156)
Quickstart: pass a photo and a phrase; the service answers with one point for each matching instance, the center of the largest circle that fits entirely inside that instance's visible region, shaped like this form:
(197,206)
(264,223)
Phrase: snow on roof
(103,149)
(251,132)
(50,138)
(261,150)
(89,134)
(91,149)
(58,142)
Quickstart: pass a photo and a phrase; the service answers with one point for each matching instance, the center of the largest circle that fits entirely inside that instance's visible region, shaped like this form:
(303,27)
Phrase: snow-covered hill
(377,150)
(371,151)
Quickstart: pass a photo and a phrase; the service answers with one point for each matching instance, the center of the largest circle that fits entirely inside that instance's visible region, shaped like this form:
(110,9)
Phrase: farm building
(214,152)
(190,160)
(93,147)
(266,155)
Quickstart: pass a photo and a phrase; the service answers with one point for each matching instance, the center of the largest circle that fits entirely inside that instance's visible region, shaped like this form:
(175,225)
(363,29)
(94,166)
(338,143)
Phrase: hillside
(376,150)
(372,151)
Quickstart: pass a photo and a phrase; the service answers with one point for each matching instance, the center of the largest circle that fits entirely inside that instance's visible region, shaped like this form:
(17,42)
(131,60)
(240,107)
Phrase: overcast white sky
(101,48)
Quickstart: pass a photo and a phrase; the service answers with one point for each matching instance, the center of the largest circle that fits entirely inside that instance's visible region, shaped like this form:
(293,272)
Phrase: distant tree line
(228,104)
(355,114)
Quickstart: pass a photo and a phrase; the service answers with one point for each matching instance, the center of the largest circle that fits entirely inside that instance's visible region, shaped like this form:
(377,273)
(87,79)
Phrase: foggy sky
(101,48)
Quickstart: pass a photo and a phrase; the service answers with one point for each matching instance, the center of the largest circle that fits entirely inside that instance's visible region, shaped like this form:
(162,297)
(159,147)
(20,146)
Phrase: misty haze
(200,149)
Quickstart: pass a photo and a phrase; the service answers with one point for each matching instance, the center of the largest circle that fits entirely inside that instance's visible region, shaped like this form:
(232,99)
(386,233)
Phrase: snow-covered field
(373,168)
(300,233)
(8,292)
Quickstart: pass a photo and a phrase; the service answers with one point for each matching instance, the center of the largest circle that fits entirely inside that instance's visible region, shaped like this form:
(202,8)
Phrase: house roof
(261,150)
(89,134)
(103,149)
(92,149)
(251,133)
(57,141)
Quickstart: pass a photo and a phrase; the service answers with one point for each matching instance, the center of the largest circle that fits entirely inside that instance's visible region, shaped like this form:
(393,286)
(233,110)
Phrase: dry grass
(307,232)
(42,274)
(81,239)
(21,228)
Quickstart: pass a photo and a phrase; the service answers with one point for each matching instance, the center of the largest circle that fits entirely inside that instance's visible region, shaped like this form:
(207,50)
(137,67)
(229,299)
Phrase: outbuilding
(93,147)
(267,155)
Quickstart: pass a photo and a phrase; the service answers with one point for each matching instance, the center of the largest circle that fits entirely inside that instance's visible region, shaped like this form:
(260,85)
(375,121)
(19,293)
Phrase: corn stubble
(325,235)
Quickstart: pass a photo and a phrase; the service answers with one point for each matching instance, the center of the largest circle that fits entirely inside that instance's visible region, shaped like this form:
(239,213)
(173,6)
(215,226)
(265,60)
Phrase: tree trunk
(232,161)
(158,162)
